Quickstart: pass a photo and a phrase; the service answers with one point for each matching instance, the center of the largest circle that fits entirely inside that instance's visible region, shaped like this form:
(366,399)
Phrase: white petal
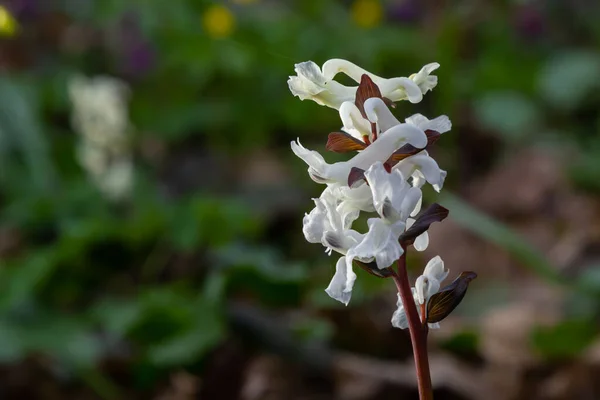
(310,71)
(377,111)
(311,84)
(397,89)
(317,167)
(380,243)
(380,150)
(435,269)
(424,79)
(313,224)
(399,319)
(340,287)
(336,65)
(440,124)
(421,242)
(422,288)
(426,165)
(353,121)
(412,198)
(383,186)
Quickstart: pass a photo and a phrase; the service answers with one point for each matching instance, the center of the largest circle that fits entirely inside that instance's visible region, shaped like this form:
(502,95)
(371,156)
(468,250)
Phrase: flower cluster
(100,117)
(384,178)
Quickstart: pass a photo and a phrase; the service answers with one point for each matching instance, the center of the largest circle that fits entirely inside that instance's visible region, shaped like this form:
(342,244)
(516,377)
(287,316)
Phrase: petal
(380,150)
(380,242)
(336,65)
(397,89)
(421,242)
(424,79)
(317,167)
(382,185)
(353,121)
(340,287)
(378,112)
(435,269)
(440,124)
(313,225)
(422,288)
(412,197)
(311,72)
(427,166)
(399,319)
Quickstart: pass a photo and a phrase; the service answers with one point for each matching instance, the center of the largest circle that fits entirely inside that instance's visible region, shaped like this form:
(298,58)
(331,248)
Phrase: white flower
(426,286)
(395,89)
(100,118)
(314,83)
(354,123)
(310,83)
(329,224)
(340,287)
(393,198)
(424,79)
(390,141)
(440,124)
(427,167)
(429,283)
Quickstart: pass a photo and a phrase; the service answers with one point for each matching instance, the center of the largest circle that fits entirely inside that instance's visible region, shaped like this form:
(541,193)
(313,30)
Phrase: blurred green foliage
(149,279)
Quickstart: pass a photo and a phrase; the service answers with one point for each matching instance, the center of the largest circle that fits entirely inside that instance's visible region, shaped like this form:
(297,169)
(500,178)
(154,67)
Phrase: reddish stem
(418,331)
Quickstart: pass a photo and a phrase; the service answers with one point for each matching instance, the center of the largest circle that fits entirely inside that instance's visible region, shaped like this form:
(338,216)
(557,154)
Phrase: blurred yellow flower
(8,24)
(218,21)
(367,13)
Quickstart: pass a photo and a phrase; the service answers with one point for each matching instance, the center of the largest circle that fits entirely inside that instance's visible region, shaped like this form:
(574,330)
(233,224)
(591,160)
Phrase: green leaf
(565,340)
(206,331)
(568,77)
(21,129)
(508,113)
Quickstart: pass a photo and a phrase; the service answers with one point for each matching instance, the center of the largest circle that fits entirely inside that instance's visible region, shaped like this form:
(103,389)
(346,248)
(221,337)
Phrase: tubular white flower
(440,124)
(429,283)
(395,89)
(340,287)
(399,319)
(353,121)
(312,85)
(379,244)
(380,150)
(427,166)
(378,112)
(424,79)
(393,198)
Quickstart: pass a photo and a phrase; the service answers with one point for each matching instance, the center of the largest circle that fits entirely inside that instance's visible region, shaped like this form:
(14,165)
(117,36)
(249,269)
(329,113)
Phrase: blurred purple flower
(23,8)
(405,10)
(529,21)
(138,55)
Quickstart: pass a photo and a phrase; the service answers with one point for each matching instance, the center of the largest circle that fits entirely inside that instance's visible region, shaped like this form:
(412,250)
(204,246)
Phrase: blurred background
(151,208)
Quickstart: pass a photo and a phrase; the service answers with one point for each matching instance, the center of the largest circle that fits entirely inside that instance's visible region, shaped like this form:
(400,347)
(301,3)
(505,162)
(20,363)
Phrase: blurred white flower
(100,117)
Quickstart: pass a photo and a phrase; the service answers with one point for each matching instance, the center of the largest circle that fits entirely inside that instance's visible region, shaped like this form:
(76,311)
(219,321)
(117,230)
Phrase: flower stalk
(418,331)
